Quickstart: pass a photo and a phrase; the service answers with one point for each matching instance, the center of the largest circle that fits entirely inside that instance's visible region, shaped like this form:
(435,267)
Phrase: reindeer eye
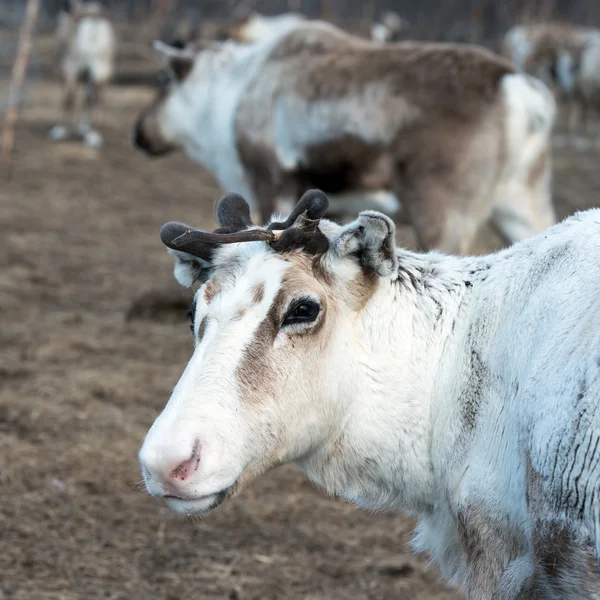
(301,311)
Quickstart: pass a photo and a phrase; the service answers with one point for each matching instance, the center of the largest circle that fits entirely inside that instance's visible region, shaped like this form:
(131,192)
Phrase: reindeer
(463,390)
(565,57)
(450,131)
(86,42)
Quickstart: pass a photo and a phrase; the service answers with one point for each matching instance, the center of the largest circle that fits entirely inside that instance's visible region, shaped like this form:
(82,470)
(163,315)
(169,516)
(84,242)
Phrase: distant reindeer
(566,57)
(86,43)
(449,134)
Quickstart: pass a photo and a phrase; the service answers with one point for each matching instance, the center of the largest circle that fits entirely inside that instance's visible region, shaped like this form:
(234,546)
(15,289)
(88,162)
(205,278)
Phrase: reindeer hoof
(58,133)
(93,139)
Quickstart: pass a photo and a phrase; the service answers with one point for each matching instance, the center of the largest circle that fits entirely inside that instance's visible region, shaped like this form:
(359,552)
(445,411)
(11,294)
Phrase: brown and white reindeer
(463,390)
(566,57)
(86,44)
(450,133)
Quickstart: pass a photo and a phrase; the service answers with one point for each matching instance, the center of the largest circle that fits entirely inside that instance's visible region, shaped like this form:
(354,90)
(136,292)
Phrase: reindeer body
(87,44)
(465,391)
(450,132)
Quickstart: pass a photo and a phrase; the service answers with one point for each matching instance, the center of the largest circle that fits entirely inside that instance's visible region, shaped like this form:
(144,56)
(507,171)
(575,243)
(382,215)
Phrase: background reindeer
(86,43)
(450,133)
(567,58)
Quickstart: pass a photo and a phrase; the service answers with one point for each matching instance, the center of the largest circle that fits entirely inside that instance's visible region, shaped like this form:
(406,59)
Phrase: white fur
(92,47)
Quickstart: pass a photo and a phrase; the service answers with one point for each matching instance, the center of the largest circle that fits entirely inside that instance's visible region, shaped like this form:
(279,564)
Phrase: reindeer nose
(168,464)
(188,467)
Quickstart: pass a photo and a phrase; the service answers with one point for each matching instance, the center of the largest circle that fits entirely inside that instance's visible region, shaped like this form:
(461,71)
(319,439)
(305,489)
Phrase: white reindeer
(449,132)
(465,391)
(86,44)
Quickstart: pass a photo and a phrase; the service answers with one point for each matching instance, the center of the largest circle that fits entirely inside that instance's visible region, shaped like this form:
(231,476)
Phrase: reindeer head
(188,71)
(275,322)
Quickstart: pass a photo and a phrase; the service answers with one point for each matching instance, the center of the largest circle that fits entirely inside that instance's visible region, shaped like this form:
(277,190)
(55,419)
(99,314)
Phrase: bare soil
(92,342)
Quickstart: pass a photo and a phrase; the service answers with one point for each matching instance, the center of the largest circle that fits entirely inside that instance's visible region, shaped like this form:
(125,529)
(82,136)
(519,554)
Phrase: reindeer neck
(380,455)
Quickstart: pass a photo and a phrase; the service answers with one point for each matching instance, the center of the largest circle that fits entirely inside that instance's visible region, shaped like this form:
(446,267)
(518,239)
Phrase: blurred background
(93,337)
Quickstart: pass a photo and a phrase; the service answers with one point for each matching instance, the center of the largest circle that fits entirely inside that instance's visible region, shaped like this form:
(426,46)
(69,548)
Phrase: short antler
(313,202)
(233,214)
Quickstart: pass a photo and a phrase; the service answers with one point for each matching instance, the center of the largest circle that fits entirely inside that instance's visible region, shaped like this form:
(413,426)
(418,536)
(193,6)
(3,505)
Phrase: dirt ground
(85,369)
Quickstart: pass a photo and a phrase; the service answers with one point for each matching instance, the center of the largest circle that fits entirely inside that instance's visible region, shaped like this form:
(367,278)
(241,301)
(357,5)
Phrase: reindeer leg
(63,128)
(91,137)
(577,123)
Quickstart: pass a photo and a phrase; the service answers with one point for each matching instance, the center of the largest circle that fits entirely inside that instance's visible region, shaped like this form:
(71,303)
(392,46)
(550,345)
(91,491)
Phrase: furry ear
(371,240)
(189,269)
(179,61)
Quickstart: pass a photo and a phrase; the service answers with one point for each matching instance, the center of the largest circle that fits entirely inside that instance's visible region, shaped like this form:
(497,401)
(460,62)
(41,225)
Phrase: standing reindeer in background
(86,43)
(566,57)
(450,134)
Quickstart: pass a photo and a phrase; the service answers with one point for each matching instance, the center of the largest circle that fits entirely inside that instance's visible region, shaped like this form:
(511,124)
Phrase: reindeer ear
(190,269)
(178,60)
(370,240)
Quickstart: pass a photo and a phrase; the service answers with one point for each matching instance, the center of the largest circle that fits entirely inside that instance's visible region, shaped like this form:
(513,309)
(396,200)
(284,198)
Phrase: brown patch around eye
(202,329)
(255,374)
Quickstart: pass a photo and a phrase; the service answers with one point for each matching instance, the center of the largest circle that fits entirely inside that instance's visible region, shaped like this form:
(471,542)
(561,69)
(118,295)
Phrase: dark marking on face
(255,375)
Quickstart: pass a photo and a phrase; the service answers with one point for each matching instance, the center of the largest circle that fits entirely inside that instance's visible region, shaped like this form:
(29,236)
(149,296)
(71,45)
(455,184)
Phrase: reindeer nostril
(189,466)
